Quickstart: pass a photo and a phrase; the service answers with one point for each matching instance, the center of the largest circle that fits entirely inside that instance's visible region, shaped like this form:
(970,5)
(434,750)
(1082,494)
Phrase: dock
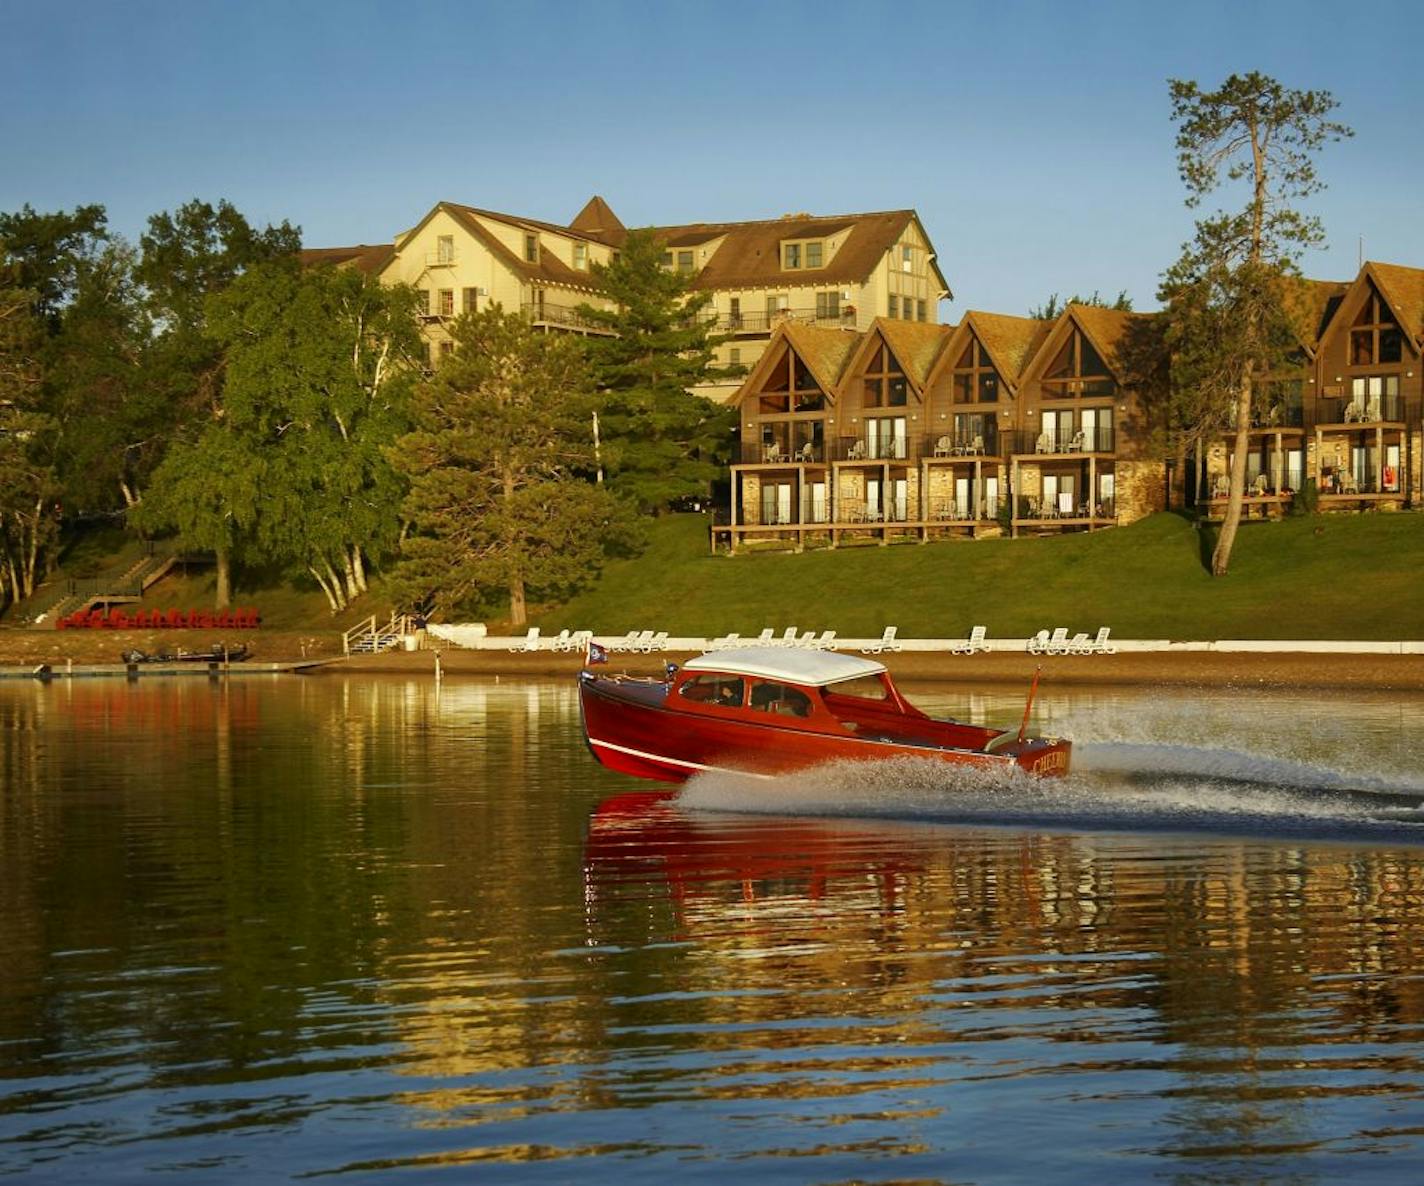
(213,669)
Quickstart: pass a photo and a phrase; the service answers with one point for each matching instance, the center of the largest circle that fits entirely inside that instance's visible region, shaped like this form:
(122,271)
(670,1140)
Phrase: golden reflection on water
(421,915)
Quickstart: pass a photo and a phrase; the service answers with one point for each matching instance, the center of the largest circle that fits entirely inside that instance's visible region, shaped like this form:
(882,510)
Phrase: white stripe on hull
(637,753)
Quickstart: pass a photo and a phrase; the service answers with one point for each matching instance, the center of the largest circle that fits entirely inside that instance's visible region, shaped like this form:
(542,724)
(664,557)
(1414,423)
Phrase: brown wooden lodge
(1010,425)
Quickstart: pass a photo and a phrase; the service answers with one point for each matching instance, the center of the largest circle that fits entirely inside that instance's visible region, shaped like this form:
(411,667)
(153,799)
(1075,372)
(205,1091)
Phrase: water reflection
(387,923)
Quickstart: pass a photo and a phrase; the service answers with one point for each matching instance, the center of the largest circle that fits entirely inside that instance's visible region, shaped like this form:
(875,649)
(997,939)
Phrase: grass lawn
(1324,576)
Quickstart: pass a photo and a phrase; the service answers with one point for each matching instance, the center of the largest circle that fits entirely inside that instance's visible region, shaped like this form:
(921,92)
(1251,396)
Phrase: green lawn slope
(1339,576)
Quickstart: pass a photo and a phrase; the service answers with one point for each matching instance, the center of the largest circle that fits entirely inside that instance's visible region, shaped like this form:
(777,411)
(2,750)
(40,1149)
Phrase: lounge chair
(1079,644)
(1038,644)
(658,642)
(827,641)
(724,643)
(856,452)
(806,642)
(564,641)
(944,447)
(772,454)
(975,642)
(1100,644)
(886,642)
(1058,642)
(788,638)
(627,642)
(767,638)
(530,642)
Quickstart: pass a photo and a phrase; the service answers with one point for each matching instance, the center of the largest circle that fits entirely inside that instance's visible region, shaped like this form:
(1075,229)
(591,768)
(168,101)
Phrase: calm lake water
(290,928)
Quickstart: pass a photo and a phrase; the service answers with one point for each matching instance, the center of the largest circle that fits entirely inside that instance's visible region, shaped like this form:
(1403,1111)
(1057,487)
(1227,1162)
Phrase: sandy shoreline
(29,648)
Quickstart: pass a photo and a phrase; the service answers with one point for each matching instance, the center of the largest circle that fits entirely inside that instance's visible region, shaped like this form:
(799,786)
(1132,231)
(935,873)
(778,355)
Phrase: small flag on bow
(596,654)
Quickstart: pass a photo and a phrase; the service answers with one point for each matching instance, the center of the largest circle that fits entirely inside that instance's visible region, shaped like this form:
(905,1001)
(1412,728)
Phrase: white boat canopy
(808,668)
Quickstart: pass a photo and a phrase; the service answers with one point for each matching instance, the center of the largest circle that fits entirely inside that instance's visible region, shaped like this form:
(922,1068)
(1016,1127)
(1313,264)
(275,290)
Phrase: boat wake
(1114,786)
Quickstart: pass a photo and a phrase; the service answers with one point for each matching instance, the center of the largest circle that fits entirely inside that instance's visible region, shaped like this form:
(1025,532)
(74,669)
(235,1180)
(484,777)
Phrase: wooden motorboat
(765,711)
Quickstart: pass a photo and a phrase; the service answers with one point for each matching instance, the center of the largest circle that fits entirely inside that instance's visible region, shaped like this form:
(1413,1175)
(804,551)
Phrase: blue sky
(1033,138)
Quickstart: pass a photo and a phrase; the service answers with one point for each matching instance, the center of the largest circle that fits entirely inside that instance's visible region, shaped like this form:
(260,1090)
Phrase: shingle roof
(1313,304)
(598,220)
(1011,341)
(915,343)
(751,255)
(825,351)
(362,257)
(549,270)
(1403,288)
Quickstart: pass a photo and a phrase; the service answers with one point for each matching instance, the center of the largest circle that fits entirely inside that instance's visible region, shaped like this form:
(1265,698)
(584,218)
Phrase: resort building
(1000,424)
(1348,417)
(842,271)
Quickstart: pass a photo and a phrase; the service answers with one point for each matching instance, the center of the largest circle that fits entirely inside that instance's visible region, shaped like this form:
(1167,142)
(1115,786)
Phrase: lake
(373,929)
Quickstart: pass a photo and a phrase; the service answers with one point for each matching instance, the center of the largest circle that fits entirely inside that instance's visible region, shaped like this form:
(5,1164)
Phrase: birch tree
(1227,296)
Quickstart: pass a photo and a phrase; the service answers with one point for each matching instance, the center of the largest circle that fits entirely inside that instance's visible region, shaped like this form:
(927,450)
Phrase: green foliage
(1307,499)
(1227,297)
(49,250)
(28,482)
(660,441)
(498,497)
(1051,308)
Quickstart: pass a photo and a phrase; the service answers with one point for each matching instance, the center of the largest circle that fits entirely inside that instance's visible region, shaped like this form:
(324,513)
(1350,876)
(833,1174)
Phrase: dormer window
(531,248)
(581,257)
(805,253)
(684,261)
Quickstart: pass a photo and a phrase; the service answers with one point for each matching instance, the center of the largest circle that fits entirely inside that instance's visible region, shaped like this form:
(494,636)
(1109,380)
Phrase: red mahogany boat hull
(645,729)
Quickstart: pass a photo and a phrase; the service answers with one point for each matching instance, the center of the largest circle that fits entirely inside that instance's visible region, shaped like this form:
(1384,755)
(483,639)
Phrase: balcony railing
(754,453)
(1065,507)
(881,449)
(1374,409)
(1279,417)
(761,323)
(1095,440)
(543,313)
(963,444)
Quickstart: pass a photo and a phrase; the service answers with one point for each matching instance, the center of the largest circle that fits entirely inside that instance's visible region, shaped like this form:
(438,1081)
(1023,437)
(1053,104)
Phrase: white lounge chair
(944,447)
(1038,644)
(725,643)
(788,639)
(562,642)
(975,642)
(1100,645)
(653,642)
(629,642)
(886,642)
(807,641)
(827,641)
(766,638)
(1058,642)
(1079,644)
(530,642)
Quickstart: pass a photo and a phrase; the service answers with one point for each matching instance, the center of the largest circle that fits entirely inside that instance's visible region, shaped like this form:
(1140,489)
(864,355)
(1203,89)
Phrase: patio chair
(1058,642)
(724,643)
(806,454)
(530,642)
(1044,444)
(654,641)
(975,642)
(787,639)
(976,446)
(827,641)
(856,452)
(772,453)
(944,447)
(1065,505)
(766,638)
(1075,444)
(1221,488)
(1038,644)
(807,641)
(886,642)
(1079,644)
(563,641)
(1100,644)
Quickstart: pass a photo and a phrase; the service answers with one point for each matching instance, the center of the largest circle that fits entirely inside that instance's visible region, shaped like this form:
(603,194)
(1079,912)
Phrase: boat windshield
(722,690)
(863,687)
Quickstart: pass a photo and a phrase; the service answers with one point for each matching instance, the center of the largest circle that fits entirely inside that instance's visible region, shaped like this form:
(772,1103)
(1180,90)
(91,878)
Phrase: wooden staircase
(369,638)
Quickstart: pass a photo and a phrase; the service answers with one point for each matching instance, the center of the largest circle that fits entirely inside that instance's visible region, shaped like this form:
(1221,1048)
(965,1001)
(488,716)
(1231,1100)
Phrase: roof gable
(825,353)
(915,345)
(1011,342)
(597,219)
(1105,330)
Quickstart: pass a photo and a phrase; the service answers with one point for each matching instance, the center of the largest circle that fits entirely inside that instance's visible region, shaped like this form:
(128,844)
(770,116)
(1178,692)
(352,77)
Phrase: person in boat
(778,698)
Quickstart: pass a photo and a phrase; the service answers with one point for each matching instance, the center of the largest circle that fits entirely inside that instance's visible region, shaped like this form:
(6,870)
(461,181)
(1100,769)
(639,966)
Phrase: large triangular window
(1078,370)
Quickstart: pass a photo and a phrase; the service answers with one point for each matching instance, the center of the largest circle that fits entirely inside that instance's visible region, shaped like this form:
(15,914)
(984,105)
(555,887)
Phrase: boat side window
(722,690)
(865,687)
(781,699)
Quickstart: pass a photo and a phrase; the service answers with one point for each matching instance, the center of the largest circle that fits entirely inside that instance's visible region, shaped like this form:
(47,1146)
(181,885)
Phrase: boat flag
(596,654)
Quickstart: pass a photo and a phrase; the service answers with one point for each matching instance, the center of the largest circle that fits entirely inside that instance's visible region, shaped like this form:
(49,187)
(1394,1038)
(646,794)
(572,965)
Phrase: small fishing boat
(765,711)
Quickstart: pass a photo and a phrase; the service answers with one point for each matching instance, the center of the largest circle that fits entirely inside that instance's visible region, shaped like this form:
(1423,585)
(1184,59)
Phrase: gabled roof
(813,669)
(751,255)
(1313,304)
(915,345)
(598,220)
(362,257)
(1403,290)
(1105,330)
(824,351)
(1010,341)
(549,270)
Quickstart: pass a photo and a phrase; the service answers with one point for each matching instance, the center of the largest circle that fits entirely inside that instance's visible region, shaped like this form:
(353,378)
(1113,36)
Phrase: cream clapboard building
(840,271)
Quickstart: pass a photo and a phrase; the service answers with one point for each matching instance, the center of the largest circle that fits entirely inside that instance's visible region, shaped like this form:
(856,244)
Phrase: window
(813,255)
(446,348)
(974,379)
(1375,336)
(776,305)
(581,256)
(734,313)
(469,300)
(907,259)
(781,699)
(894,305)
(1077,370)
(828,305)
(734,356)
(445,249)
(422,301)
(920,311)
(885,385)
(684,261)
(724,691)
(791,255)
(1374,398)
(531,248)
(447,302)
(885,437)
(667,260)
